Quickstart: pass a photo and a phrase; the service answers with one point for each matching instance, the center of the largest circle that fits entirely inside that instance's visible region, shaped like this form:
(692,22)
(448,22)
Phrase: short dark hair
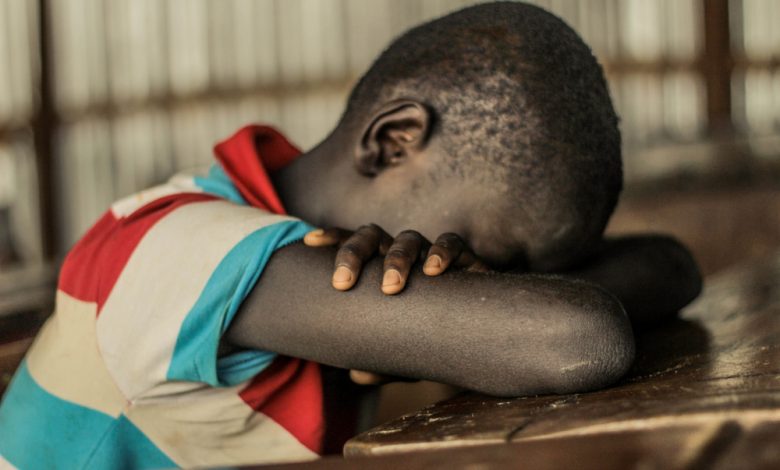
(519,99)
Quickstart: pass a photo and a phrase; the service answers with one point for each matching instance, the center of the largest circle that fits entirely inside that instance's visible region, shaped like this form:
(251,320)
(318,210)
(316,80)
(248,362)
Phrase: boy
(173,316)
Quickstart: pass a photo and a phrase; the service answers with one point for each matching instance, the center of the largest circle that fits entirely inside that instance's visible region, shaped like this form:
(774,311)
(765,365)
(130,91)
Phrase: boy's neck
(308,187)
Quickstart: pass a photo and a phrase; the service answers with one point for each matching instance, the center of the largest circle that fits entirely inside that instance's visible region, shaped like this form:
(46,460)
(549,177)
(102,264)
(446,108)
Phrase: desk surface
(703,387)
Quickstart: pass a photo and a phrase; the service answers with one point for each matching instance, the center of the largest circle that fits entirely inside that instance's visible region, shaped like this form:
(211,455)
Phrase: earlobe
(396,131)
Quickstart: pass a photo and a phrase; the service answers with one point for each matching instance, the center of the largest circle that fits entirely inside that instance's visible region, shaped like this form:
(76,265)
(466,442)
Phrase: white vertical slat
(21,80)
(641,29)
(293,120)
(759,107)
(182,126)
(406,14)
(611,14)
(67,84)
(369,32)
(324,53)
(6,63)
(193,135)
(325,109)
(738,113)
(290,38)
(188,51)
(94,48)
(25,222)
(776,94)
(435,8)
(246,50)
(568,11)
(684,107)
(683,29)
(7,181)
(757,26)
(265,45)
(79,49)
(158,133)
(136,38)
(18,193)
(120,43)
(87,185)
(258,110)
(126,156)
(222,44)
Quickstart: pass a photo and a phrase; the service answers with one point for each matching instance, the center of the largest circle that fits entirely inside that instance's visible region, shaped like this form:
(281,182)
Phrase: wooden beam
(717,65)
(44,125)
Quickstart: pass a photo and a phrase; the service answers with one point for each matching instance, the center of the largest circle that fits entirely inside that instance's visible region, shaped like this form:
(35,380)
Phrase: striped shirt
(126,372)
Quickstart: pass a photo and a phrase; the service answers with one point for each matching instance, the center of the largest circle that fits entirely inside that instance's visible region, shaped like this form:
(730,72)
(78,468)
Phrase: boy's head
(493,122)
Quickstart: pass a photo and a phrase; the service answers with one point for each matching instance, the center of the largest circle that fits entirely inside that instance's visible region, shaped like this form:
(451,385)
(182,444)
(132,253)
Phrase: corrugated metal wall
(145,87)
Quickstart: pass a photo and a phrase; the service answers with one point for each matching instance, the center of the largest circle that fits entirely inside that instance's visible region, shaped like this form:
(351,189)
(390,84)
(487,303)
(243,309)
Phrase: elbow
(692,279)
(588,344)
(596,350)
(683,270)
(595,367)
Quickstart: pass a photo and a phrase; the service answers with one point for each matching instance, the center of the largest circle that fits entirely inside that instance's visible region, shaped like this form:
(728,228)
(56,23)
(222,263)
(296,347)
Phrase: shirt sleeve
(195,353)
(180,288)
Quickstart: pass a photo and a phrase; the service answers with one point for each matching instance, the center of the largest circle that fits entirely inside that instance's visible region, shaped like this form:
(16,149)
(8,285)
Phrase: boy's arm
(654,276)
(503,334)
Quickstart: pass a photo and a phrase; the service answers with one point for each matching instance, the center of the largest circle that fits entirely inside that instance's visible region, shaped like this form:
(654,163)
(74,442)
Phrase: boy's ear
(397,130)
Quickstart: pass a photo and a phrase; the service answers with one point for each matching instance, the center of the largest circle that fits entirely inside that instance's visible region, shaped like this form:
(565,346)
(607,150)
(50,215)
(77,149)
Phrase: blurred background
(101,98)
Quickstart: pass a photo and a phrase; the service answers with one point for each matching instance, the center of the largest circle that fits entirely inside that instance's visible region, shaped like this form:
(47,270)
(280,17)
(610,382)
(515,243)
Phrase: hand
(356,248)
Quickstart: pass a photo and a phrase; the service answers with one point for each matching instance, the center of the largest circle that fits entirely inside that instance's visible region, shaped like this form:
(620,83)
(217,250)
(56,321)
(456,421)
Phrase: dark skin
(503,333)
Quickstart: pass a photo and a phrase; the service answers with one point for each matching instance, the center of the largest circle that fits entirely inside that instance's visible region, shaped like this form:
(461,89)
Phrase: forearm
(501,334)
(654,276)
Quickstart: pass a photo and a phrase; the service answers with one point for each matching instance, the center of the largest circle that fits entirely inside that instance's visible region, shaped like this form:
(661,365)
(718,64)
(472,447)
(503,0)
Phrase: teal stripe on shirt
(195,354)
(43,431)
(219,184)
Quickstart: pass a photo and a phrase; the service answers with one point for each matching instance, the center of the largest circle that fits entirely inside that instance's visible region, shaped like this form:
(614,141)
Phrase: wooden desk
(705,390)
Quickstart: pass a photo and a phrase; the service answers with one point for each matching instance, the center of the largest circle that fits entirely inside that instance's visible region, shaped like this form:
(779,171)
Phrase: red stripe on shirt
(248,156)
(93,266)
(289,391)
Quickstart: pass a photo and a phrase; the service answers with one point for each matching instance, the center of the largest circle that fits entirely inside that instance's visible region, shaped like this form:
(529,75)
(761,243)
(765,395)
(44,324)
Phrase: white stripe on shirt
(65,361)
(140,322)
(213,427)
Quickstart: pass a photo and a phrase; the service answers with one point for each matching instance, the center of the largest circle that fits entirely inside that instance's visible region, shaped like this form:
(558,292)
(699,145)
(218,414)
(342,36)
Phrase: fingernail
(432,265)
(392,278)
(313,237)
(342,278)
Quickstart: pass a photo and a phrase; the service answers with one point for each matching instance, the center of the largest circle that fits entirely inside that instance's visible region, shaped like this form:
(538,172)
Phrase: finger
(470,262)
(446,249)
(355,251)
(403,253)
(361,377)
(326,237)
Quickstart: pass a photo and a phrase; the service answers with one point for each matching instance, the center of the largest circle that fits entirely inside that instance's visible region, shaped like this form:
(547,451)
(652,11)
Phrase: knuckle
(370,229)
(349,250)
(395,265)
(449,242)
(449,238)
(445,245)
(376,228)
(397,253)
(413,234)
(443,253)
